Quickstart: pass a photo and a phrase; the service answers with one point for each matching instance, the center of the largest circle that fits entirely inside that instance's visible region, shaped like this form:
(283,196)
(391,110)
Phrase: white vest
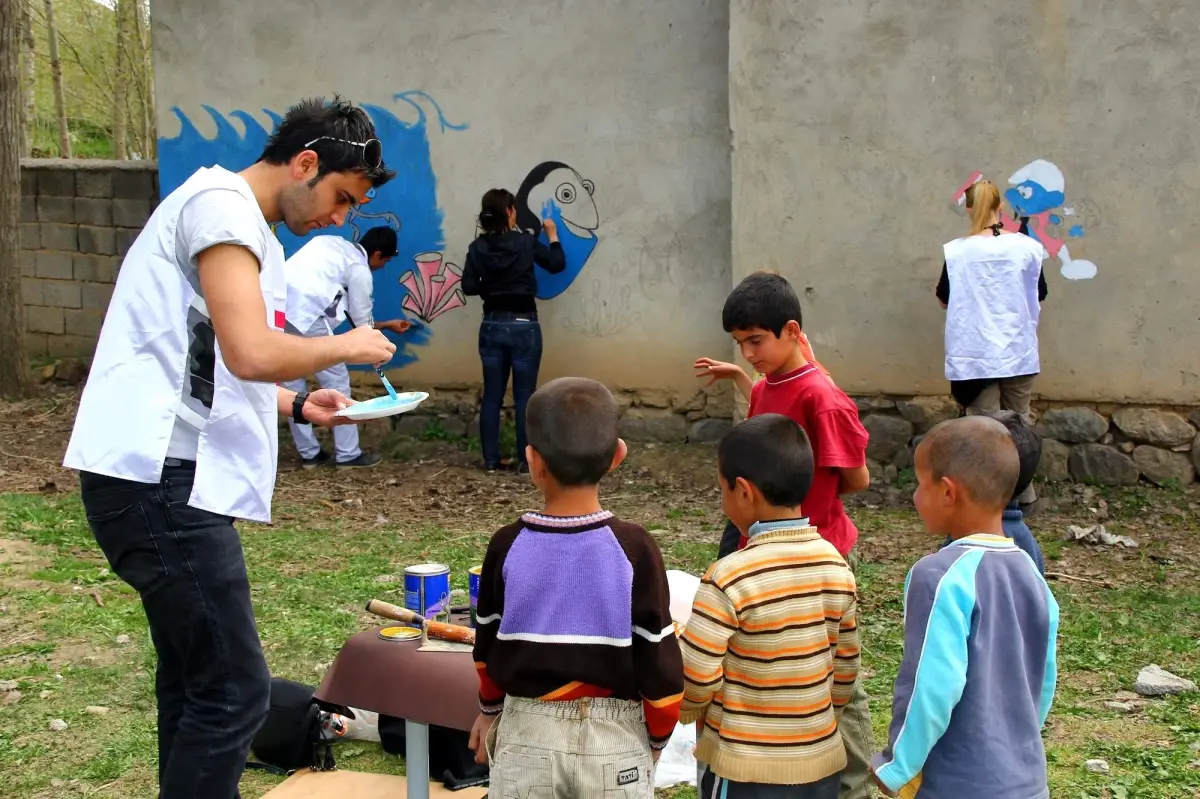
(316,276)
(135,384)
(992,316)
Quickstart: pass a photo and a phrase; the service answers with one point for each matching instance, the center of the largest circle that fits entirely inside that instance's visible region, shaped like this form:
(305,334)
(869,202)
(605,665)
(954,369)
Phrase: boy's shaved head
(977,453)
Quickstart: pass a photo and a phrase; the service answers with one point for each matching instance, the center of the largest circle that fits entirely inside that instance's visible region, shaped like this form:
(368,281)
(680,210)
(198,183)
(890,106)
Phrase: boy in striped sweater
(580,675)
(771,651)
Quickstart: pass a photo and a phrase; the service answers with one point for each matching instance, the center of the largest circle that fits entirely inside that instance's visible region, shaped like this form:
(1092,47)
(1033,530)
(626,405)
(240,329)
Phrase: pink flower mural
(432,287)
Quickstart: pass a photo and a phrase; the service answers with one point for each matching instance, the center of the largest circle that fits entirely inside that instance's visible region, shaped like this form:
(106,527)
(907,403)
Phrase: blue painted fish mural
(408,204)
(553,190)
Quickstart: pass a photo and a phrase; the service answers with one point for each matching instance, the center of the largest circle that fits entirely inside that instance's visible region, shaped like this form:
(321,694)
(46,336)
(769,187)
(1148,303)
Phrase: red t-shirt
(839,441)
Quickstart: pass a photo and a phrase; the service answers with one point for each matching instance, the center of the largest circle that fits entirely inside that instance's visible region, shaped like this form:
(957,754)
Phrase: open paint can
(473,574)
(427,590)
(399,633)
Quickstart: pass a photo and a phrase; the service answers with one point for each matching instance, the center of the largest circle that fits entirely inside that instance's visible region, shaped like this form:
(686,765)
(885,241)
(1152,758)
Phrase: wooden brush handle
(434,629)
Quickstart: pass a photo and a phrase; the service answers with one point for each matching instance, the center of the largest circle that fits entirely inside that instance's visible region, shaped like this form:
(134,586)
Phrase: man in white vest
(330,278)
(177,430)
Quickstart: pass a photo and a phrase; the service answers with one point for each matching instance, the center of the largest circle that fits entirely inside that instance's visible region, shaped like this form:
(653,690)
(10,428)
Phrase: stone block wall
(1104,444)
(78,218)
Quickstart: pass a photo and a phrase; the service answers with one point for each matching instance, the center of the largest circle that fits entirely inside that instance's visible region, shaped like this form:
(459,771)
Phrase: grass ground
(72,636)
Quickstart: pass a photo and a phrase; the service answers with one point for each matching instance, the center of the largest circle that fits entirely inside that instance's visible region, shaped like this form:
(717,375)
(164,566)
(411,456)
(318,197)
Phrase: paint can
(399,633)
(427,590)
(473,574)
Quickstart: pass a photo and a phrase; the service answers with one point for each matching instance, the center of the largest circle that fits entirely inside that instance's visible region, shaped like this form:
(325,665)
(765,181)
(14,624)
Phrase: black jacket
(499,268)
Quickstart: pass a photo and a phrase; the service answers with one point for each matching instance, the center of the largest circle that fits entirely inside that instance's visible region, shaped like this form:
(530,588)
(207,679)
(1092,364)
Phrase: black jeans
(508,342)
(712,785)
(212,681)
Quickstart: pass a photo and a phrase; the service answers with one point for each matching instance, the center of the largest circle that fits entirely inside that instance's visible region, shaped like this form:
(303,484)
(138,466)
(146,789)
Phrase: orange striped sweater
(770,657)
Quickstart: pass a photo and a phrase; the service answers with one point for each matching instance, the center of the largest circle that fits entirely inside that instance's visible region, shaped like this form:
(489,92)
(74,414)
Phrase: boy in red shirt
(763,315)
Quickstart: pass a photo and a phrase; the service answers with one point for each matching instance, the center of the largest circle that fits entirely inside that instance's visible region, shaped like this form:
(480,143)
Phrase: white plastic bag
(677,765)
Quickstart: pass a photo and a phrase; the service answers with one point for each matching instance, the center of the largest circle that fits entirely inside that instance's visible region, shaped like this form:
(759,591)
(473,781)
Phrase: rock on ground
(1097,766)
(1072,425)
(1160,466)
(57,725)
(889,435)
(1152,426)
(1053,466)
(1100,464)
(1157,681)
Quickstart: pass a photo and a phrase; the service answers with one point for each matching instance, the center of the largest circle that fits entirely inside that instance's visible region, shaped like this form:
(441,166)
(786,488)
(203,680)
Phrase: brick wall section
(78,219)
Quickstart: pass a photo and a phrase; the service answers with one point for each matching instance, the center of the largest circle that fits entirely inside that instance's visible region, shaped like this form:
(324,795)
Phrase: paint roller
(433,629)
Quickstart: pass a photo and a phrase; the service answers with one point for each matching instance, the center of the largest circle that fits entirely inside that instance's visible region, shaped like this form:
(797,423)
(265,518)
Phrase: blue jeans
(211,682)
(508,342)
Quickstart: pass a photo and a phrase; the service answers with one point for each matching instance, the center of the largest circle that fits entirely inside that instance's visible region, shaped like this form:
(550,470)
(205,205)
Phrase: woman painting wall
(992,288)
(499,268)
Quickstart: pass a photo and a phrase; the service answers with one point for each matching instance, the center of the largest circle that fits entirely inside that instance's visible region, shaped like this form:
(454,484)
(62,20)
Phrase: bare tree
(29,55)
(60,103)
(121,77)
(15,380)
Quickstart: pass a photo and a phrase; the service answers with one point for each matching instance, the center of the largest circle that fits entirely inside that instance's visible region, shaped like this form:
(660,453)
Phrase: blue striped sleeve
(1050,678)
(933,673)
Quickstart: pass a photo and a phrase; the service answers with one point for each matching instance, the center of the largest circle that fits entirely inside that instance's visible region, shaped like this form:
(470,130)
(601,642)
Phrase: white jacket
(992,316)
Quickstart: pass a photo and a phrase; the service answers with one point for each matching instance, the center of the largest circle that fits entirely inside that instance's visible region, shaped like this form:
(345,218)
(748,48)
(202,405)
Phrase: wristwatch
(298,407)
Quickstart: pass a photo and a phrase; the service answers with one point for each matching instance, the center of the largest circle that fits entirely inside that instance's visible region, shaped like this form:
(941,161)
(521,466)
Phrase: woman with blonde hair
(992,312)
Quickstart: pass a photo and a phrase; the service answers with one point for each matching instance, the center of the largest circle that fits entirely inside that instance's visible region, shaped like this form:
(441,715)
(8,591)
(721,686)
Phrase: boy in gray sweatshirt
(980,628)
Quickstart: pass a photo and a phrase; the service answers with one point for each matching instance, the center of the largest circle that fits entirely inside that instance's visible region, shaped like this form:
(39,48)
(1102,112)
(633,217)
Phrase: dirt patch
(16,554)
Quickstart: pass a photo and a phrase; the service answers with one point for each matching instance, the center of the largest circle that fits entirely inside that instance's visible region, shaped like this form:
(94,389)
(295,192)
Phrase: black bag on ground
(290,738)
(450,761)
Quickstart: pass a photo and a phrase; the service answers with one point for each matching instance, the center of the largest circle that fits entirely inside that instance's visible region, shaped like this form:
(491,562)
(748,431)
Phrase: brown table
(393,678)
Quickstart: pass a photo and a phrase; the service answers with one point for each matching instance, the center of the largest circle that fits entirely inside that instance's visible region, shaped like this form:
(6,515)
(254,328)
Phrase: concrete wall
(469,95)
(856,123)
(77,219)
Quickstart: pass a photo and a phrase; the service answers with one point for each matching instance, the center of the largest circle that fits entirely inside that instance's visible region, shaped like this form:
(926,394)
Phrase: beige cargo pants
(559,750)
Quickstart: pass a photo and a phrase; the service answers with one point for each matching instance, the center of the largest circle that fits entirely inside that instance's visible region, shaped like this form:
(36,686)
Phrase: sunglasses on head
(372,149)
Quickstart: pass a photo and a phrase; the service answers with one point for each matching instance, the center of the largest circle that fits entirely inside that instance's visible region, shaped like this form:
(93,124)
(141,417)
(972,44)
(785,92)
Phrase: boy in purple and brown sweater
(580,673)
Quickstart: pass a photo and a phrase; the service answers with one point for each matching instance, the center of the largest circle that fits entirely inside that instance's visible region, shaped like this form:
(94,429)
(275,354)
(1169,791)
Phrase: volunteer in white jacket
(177,429)
(992,288)
(327,279)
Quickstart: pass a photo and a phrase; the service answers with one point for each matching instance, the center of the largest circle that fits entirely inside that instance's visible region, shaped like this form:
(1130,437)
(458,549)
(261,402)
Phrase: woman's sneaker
(361,462)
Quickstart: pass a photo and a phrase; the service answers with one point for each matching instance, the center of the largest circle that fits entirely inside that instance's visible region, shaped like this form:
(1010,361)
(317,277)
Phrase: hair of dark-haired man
(1028,442)
(976,452)
(313,118)
(572,424)
(763,300)
(772,453)
(379,239)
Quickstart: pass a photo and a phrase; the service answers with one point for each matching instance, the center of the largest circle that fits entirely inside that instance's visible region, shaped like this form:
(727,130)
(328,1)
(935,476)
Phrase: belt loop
(584,704)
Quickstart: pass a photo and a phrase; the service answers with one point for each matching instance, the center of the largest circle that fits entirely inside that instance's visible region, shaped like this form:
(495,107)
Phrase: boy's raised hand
(717,370)
(720,370)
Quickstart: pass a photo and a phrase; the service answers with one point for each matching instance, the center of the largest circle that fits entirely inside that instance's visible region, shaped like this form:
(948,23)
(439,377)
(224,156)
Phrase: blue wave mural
(408,203)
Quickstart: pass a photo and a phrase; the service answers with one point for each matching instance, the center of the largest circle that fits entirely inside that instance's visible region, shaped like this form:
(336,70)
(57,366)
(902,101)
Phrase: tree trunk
(29,49)
(121,77)
(149,134)
(60,104)
(15,380)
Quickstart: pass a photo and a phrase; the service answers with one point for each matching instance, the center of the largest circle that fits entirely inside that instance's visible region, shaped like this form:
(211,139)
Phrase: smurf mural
(417,280)
(1038,203)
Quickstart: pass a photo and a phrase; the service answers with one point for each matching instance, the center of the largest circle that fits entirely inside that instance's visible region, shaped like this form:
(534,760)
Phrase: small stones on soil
(8,685)
(383,579)
(57,725)
(45,694)
(1097,766)
(96,710)
(122,639)
(1154,680)
(11,698)
(1120,707)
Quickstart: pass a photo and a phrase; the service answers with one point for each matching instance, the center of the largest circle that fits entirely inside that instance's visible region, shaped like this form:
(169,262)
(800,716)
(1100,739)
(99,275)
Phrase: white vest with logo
(992,316)
(135,385)
(316,277)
